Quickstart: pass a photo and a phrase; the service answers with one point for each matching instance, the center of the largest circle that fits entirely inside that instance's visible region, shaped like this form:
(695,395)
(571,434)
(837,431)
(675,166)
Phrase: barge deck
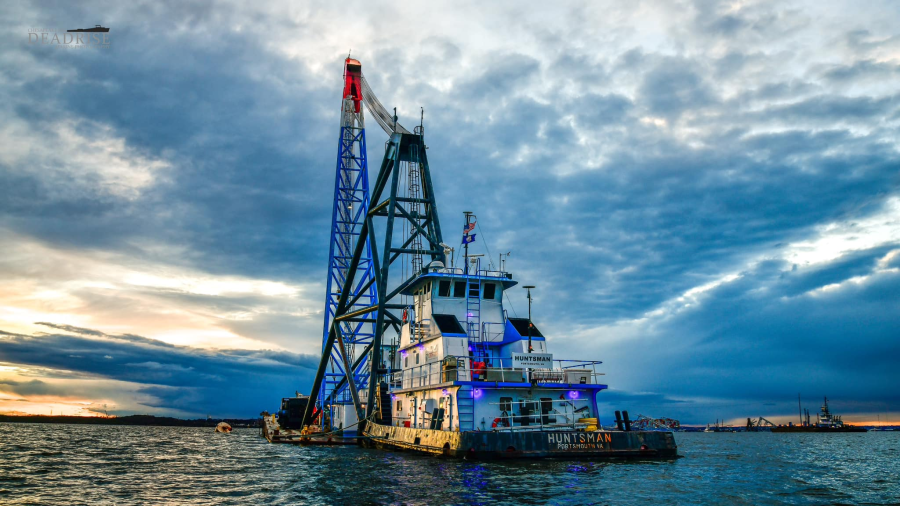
(274,433)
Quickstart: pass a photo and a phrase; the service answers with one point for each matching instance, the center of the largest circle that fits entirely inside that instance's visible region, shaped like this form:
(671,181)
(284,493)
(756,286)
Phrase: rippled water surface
(92,464)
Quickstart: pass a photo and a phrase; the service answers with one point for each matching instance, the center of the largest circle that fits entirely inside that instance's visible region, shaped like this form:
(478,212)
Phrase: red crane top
(352,82)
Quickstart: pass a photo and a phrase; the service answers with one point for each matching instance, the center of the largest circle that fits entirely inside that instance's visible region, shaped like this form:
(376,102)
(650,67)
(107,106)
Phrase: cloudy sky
(707,194)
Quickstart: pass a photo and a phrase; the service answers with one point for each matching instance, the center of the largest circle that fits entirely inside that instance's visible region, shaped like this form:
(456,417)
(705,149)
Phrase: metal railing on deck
(553,419)
(458,271)
(458,368)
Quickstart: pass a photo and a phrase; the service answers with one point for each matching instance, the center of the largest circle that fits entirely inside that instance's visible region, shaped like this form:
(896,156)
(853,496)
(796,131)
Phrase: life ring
(498,422)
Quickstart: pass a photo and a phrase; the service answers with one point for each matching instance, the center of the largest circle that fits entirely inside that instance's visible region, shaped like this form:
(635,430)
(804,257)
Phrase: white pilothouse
(464,364)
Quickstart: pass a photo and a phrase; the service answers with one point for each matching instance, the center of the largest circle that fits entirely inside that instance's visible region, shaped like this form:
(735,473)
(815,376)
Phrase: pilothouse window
(444,289)
(490,290)
(459,289)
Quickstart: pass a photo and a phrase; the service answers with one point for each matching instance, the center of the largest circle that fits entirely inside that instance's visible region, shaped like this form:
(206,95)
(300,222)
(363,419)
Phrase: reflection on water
(55,464)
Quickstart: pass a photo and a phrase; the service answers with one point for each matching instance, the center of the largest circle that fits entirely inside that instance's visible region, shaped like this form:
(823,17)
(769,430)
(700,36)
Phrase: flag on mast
(468,239)
(468,228)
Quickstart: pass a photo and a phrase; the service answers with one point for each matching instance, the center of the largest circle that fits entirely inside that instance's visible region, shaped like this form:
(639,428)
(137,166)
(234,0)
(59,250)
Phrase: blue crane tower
(361,307)
(351,205)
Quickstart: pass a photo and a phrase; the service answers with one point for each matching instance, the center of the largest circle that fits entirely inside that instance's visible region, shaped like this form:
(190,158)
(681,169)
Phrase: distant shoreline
(134,420)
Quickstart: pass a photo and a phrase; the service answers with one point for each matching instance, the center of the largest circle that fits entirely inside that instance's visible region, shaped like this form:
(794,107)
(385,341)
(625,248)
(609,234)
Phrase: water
(93,464)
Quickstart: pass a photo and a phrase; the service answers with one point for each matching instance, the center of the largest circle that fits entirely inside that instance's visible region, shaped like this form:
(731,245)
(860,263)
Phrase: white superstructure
(463,364)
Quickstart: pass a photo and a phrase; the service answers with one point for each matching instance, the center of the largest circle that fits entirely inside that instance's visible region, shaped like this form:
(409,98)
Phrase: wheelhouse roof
(504,278)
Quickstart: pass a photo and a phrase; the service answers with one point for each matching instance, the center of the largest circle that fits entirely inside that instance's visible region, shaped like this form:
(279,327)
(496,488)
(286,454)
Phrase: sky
(706,194)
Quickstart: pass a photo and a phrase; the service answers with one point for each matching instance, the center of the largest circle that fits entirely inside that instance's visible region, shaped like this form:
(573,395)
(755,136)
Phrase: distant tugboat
(826,422)
(719,428)
(96,28)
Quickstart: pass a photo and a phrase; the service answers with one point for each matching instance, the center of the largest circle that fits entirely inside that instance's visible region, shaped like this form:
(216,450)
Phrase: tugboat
(473,381)
(420,354)
(826,422)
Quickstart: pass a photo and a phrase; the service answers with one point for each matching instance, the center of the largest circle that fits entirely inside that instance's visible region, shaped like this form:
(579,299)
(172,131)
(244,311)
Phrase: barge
(286,426)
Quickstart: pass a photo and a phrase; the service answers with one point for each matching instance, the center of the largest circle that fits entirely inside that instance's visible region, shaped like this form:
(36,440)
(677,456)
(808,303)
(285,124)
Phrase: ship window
(444,289)
(490,290)
(506,404)
(417,357)
(406,361)
(399,405)
(459,289)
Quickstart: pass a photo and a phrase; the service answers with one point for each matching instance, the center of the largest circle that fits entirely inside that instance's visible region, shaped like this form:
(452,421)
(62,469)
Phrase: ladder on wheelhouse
(473,311)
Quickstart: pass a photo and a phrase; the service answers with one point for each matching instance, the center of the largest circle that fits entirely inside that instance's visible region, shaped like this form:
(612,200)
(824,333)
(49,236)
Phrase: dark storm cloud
(33,387)
(237,381)
(836,342)
(796,281)
(672,87)
(96,333)
(777,330)
(861,70)
(835,108)
(659,218)
(246,173)
(73,329)
(654,226)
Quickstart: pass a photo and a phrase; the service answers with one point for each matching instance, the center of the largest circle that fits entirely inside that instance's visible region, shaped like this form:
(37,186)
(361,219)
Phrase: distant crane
(758,424)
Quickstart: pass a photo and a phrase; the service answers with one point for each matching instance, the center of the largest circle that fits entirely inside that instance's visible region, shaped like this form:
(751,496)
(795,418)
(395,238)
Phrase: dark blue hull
(596,445)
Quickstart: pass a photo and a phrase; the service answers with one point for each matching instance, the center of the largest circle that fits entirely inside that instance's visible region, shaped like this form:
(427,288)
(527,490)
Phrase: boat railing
(459,271)
(509,420)
(422,330)
(502,370)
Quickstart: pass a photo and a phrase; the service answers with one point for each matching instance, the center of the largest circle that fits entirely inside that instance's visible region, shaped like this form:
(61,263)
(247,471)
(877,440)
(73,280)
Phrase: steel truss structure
(351,204)
(404,154)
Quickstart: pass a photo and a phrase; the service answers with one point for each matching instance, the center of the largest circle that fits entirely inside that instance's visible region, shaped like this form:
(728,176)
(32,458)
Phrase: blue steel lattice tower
(351,204)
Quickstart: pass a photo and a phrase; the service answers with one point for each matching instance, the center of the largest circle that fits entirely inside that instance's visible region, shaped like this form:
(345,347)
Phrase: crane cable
(384,118)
